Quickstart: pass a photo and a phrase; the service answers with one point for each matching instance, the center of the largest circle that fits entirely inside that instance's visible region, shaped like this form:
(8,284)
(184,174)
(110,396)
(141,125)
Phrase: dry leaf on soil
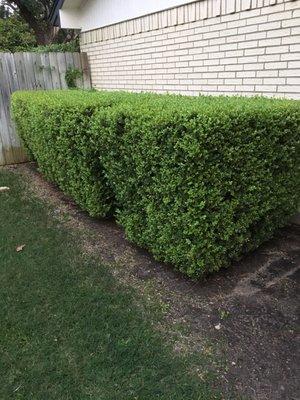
(20,247)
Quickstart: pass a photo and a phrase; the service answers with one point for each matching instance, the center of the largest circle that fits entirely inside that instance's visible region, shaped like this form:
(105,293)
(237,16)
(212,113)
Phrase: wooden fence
(32,71)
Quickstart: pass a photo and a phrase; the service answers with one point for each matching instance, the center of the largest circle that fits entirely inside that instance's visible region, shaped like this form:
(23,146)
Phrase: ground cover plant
(197,181)
(69,330)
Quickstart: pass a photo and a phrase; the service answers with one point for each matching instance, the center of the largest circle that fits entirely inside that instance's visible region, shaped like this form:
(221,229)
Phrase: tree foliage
(4,11)
(36,14)
(15,35)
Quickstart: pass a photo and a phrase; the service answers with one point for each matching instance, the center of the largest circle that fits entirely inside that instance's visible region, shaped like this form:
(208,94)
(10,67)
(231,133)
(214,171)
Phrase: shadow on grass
(69,330)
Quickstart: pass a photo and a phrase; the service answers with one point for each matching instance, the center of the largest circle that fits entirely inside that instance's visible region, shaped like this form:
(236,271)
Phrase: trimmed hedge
(197,181)
(54,127)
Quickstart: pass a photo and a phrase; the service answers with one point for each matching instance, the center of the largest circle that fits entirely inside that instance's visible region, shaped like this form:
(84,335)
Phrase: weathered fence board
(32,71)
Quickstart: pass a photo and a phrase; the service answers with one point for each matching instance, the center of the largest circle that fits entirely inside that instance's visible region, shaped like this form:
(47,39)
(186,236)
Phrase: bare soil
(248,312)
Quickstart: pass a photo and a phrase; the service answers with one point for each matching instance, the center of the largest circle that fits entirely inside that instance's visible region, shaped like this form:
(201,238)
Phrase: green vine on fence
(72,74)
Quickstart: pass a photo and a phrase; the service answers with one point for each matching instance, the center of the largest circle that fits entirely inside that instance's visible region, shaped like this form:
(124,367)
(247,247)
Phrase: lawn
(69,330)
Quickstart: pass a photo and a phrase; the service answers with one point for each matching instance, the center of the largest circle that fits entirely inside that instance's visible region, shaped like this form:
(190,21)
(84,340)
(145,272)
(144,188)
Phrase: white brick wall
(249,52)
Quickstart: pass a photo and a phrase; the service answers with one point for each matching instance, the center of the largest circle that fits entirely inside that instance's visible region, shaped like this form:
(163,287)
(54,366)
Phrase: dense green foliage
(69,330)
(72,74)
(37,14)
(54,127)
(28,22)
(72,46)
(15,35)
(197,181)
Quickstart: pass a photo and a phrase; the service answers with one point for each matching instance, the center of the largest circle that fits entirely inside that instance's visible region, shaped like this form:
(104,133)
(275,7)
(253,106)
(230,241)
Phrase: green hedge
(197,181)
(54,127)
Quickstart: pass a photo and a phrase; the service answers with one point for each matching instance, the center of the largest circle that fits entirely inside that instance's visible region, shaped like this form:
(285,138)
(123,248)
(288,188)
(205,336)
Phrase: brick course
(248,52)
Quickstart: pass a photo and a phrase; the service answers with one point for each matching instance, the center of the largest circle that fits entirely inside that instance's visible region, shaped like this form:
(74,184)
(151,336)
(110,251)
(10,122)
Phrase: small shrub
(197,181)
(72,47)
(71,76)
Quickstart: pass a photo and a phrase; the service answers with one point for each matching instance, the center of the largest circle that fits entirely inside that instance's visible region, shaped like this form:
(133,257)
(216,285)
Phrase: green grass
(68,329)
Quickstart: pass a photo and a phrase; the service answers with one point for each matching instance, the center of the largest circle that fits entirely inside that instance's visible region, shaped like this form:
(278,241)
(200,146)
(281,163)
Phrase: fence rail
(32,71)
